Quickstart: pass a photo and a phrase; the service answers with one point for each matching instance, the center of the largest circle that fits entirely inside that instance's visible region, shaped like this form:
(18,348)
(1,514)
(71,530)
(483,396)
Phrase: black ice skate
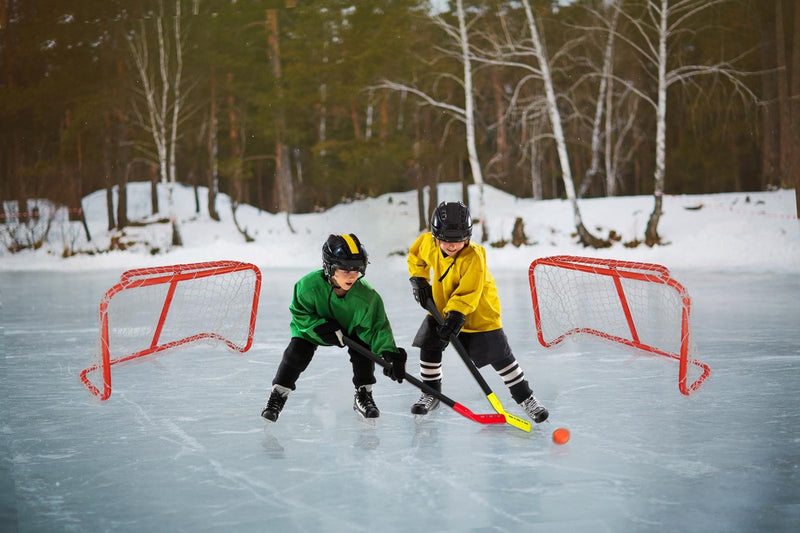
(535,410)
(363,403)
(427,402)
(275,403)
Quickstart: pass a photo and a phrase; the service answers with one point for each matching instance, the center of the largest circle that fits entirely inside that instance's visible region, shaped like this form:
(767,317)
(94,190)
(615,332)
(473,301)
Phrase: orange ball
(561,436)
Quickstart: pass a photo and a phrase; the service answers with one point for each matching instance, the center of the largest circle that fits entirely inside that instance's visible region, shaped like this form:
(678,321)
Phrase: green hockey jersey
(360,312)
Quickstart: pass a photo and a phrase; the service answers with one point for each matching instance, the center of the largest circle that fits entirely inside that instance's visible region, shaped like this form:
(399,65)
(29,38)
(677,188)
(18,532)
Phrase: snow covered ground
(739,232)
(180,446)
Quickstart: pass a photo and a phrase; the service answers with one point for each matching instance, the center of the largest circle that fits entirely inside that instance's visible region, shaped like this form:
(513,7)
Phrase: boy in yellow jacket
(465,293)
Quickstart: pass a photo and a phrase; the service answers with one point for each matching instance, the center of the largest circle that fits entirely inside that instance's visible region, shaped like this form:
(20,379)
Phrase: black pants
(483,348)
(299,353)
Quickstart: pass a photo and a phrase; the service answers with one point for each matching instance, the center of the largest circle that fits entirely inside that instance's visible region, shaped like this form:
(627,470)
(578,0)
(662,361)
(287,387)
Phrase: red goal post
(155,309)
(638,305)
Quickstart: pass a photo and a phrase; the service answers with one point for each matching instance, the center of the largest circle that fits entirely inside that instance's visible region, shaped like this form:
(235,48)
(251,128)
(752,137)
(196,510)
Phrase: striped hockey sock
(512,374)
(430,371)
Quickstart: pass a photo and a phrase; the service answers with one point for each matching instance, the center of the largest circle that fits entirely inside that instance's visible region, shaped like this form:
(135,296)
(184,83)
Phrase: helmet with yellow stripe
(343,252)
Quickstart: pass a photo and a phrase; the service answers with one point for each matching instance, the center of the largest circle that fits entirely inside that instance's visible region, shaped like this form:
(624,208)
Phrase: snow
(732,232)
(179,445)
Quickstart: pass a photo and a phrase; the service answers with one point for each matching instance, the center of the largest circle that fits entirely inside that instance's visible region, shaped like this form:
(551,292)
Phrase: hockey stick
(513,420)
(457,407)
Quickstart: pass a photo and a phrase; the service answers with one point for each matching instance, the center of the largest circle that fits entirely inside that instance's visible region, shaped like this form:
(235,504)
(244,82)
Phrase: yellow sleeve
(418,266)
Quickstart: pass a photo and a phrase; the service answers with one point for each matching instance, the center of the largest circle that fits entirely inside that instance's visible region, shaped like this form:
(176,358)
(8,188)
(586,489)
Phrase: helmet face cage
(451,222)
(343,252)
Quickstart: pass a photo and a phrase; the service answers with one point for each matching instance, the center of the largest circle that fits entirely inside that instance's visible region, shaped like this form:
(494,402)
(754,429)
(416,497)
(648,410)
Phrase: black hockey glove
(451,326)
(422,291)
(330,332)
(398,369)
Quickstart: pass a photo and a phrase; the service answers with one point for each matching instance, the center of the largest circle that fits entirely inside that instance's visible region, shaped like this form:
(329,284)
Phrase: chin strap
(451,264)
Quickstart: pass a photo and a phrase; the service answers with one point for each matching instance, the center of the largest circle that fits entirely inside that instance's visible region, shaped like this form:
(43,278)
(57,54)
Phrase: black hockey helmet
(451,222)
(343,252)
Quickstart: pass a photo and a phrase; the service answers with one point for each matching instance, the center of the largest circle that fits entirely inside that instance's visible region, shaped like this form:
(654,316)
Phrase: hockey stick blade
(491,418)
(513,420)
(517,422)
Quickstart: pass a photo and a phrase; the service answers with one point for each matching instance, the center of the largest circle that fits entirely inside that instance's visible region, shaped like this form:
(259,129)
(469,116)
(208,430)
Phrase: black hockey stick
(513,420)
(457,407)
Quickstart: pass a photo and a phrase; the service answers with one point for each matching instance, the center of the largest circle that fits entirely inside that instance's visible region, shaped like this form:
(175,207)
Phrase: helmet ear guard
(451,222)
(343,252)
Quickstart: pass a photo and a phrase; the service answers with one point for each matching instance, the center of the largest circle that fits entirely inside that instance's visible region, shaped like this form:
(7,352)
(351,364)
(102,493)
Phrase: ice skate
(427,402)
(275,403)
(363,403)
(534,409)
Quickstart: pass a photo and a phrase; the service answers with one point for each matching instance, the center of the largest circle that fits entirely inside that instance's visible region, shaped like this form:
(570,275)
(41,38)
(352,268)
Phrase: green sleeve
(307,307)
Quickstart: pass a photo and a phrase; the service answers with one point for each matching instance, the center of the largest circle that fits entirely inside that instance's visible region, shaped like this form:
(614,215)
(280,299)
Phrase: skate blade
(427,417)
(367,422)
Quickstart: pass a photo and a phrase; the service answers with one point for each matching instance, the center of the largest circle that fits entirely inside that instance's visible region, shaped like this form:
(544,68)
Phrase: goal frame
(172,275)
(618,270)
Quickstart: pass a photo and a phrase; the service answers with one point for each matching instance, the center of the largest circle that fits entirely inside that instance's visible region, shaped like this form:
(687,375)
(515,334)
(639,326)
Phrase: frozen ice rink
(180,445)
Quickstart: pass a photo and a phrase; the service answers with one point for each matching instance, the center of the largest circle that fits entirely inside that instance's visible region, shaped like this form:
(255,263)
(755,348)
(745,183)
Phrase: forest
(294,105)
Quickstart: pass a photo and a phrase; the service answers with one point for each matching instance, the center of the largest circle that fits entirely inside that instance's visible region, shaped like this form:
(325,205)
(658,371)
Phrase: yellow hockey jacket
(462,283)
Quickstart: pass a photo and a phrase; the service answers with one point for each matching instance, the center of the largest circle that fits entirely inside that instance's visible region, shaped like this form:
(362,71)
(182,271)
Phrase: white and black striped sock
(430,371)
(512,374)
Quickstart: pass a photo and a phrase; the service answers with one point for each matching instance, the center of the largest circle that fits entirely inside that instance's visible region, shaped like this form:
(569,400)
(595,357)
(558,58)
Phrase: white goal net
(638,305)
(155,309)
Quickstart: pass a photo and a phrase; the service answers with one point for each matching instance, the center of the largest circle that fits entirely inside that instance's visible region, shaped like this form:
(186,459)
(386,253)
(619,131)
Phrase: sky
(739,232)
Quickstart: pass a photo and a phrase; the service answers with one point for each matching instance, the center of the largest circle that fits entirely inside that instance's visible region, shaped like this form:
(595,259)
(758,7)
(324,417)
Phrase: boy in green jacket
(326,305)
(465,293)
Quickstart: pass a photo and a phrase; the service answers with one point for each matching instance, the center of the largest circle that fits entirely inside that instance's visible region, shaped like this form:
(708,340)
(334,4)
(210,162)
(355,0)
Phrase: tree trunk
(177,240)
(108,163)
(421,124)
(370,113)
(784,105)
(795,110)
(469,112)
(603,93)
(124,162)
(161,93)
(500,126)
(233,136)
(154,208)
(611,154)
(83,221)
(213,161)
(384,111)
(122,202)
(651,237)
(585,237)
(283,168)
(770,159)
(423,222)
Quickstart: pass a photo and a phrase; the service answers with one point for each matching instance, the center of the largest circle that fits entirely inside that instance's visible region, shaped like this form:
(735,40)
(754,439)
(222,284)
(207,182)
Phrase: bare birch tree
(614,137)
(469,115)
(161,92)
(466,115)
(584,235)
(659,24)
(603,109)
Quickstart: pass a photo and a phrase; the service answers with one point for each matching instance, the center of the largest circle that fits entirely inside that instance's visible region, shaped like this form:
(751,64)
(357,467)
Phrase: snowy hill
(742,232)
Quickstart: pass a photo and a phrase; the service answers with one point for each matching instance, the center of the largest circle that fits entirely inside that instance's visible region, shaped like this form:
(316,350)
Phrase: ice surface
(180,446)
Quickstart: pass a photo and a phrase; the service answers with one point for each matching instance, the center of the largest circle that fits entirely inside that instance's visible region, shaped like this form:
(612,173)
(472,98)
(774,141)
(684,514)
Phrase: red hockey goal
(155,309)
(638,305)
